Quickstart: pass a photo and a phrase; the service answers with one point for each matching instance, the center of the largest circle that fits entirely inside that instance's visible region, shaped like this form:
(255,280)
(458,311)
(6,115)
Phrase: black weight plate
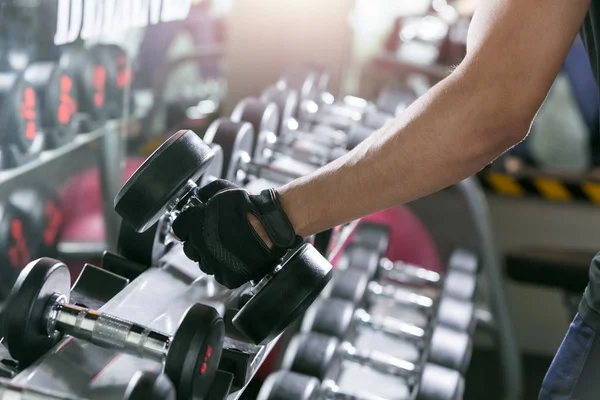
(15,246)
(119,74)
(303,81)
(310,354)
(137,246)
(162,178)
(287,104)
(19,111)
(236,140)
(329,316)
(373,235)
(24,312)
(215,169)
(57,95)
(89,73)
(285,297)
(42,213)
(287,385)
(195,352)
(264,117)
(350,285)
(149,386)
(361,259)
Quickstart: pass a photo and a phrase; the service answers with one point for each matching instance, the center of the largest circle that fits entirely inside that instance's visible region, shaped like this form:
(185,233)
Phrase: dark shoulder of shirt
(590,33)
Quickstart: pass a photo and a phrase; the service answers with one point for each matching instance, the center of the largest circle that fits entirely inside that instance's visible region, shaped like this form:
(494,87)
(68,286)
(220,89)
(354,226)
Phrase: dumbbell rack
(157,298)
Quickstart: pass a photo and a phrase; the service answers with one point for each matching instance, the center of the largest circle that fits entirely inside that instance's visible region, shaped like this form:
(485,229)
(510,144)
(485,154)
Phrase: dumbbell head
(147,385)
(20,112)
(236,139)
(286,295)
(331,317)
(303,80)
(310,354)
(288,385)
(287,105)
(350,285)
(450,348)
(375,119)
(164,180)
(90,73)
(457,314)
(195,351)
(373,235)
(215,168)
(361,259)
(264,118)
(439,383)
(42,211)
(56,91)
(464,260)
(119,75)
(25,311)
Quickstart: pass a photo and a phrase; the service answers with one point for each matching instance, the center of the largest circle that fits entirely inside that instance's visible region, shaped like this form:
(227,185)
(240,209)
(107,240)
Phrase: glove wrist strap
(273,218)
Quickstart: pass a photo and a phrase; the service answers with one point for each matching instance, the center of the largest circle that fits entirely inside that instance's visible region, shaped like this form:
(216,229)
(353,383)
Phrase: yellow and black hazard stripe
(544,187)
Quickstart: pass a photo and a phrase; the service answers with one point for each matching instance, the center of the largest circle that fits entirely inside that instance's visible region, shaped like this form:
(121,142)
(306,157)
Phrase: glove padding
(218,235)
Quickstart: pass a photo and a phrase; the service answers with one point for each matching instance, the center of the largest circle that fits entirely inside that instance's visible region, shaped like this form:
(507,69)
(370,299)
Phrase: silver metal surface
(390,326)
(401,295)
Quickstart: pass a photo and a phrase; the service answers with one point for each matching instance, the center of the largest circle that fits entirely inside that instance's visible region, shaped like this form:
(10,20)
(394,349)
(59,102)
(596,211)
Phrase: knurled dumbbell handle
(378,361)
(403,272)
(401,296)
(109,331)
(391,326)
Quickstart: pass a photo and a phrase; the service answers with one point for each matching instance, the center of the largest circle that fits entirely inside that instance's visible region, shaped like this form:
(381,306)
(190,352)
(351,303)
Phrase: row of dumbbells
(38,312)
(346,352)
(43,105)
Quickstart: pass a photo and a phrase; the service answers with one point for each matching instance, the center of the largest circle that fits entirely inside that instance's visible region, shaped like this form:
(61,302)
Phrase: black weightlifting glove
(218,235)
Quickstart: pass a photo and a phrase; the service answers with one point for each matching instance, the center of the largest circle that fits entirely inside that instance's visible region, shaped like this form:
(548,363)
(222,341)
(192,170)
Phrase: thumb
(187,221)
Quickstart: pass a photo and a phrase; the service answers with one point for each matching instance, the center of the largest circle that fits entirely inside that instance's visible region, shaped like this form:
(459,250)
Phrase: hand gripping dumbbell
(37,315)
(455,283)
(336,317)
(144,385)
(356,287)
(165,183)
(288,385)
(323,357)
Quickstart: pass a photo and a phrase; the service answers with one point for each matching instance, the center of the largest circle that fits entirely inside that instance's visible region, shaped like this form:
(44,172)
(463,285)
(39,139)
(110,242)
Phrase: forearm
(450,133)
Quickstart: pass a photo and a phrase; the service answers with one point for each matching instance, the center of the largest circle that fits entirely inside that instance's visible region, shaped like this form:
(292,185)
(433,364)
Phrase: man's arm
(515,50)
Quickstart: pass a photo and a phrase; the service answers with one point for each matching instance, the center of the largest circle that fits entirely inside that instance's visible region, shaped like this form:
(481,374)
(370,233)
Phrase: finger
(191,252)
(187,220)
(208,191)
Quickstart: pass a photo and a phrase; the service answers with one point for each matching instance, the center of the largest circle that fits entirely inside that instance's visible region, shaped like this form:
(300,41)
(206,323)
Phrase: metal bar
(493,271)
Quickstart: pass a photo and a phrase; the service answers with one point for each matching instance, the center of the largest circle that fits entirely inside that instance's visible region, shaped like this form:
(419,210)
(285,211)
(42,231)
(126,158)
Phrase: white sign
(89,19)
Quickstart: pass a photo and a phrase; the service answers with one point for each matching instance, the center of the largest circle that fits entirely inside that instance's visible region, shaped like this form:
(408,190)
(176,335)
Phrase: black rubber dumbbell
(376,236)
(267,121)
(324,357)
(237,140)
(336,317)
(21,136)
(37,314)
(356,287)
(455,283)
(145,248)
(288,385)
(166,183)
(119,76)
(56,90)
